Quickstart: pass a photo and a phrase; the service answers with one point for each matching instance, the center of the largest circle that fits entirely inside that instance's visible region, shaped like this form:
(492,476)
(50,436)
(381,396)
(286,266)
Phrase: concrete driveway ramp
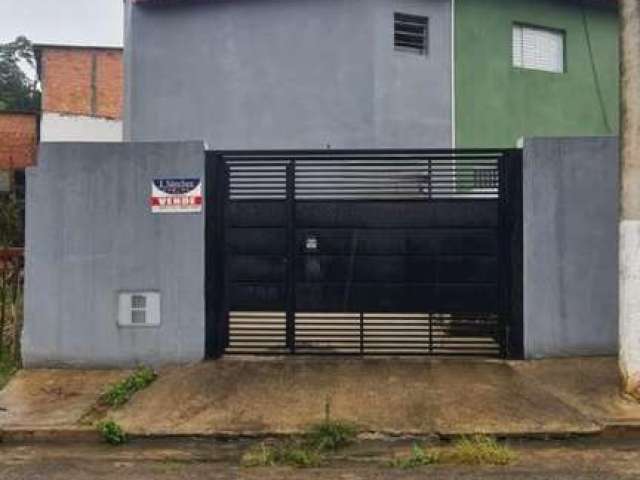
(390,396)
(247,396)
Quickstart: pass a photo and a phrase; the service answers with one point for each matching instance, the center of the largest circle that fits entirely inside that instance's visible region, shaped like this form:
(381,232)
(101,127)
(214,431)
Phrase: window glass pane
(517,46)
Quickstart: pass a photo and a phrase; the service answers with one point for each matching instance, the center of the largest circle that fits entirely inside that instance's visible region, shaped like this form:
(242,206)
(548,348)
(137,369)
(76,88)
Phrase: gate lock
(311,243)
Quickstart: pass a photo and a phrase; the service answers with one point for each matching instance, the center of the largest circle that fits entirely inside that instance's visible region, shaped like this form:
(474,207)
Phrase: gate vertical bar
(216,331)
(210,247)
(291,256)
(430,345)
(503,253)
(224,251)
(361,333)
(515,327)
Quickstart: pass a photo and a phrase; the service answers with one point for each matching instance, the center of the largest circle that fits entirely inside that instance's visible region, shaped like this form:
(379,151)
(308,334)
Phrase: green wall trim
(496,103)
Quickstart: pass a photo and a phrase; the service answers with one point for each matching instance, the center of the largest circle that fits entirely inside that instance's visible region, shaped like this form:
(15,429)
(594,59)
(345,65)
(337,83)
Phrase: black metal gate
(364,252)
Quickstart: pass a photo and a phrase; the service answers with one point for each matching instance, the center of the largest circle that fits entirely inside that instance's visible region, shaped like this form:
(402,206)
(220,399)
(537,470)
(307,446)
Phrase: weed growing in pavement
(112,433)
(472,450)
(419,457)
(293,453)
(121,392)
(480,450)
(331,435)
(307,451)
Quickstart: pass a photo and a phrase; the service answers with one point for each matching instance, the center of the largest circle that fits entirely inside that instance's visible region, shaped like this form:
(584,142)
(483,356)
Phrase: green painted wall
(497,103)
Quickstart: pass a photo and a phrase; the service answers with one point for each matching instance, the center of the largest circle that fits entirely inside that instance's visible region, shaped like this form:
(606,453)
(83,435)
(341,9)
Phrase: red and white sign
(176,195)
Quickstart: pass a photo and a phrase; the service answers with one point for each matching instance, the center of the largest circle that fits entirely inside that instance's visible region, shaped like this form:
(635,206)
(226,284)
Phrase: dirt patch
(52,398)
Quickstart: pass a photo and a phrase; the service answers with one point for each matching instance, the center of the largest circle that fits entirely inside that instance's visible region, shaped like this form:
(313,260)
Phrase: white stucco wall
(55,127)
(629,295)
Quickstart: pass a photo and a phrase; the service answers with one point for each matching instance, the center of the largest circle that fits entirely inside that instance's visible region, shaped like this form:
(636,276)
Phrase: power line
(594,70)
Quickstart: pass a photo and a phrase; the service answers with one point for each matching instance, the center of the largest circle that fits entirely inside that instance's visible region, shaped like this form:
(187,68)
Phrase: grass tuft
(331,434)
(292,453)
(121,392)
(112,432)
(480,450)
(8,367)
(307,451)
(419,457)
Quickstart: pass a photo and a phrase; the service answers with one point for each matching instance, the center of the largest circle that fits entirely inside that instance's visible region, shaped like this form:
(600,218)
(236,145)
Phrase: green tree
(11,232)
(17,90)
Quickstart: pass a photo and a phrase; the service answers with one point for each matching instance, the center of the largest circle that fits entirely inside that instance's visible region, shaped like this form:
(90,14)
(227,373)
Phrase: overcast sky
(75,22)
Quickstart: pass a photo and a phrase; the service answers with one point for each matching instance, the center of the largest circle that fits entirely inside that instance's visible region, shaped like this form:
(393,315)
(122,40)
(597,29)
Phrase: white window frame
(545,44)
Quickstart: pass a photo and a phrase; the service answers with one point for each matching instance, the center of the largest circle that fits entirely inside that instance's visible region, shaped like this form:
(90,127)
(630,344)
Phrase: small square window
(411,33)
(138,309)
(537,48)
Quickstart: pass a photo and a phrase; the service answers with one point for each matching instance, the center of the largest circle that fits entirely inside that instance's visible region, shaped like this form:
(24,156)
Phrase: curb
(616,429)
(85,435)
(33,435)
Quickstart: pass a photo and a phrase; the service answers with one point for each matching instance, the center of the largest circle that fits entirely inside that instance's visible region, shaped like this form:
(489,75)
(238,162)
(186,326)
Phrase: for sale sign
(176,195)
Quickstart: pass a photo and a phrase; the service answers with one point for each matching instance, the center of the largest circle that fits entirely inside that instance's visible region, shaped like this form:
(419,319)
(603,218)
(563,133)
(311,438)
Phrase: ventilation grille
(138,309)
(265,180)
(410,33)
(257,332)
(369,333)
(396,179)
(365,177)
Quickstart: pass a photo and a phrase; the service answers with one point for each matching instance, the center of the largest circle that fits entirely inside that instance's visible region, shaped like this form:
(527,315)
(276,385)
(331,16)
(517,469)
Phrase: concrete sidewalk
(237,396)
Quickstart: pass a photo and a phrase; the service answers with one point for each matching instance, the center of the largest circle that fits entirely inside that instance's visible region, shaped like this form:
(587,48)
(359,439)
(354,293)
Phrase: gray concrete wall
(570,204)
(90,234)
(286,74)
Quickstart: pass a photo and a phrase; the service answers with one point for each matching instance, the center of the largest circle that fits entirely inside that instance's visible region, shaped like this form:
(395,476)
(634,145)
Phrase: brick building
(19,138)
(82,90)
(19,133)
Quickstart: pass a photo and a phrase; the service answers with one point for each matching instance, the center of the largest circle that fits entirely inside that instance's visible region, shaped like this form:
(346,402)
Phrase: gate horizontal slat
(408,215)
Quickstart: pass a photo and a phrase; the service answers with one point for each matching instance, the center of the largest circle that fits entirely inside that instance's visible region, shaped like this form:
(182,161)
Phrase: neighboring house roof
(41,46)
(160,2)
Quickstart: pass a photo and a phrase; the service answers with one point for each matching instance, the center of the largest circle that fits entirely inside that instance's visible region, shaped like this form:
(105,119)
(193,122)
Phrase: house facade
(286,74)
(571,88)
(196,238)
(369,73)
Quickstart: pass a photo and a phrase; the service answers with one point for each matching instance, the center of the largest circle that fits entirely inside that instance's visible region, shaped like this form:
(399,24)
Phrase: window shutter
(538,48)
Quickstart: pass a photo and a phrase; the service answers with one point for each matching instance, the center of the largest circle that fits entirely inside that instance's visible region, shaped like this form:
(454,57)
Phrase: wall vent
(139,309)
(411,33)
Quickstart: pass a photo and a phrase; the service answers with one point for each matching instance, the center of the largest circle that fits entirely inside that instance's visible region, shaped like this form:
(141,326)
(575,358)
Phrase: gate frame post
(291,256)
(216,317)
(512,242)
